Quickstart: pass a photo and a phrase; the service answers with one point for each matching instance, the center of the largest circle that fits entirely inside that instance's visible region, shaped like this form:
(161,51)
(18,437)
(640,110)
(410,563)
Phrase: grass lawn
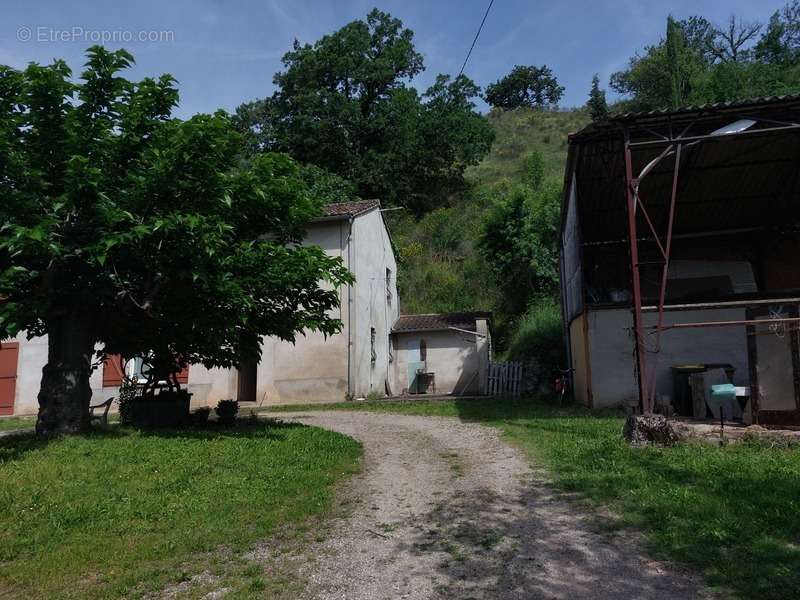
(9,423)
(732,512)
(123,512)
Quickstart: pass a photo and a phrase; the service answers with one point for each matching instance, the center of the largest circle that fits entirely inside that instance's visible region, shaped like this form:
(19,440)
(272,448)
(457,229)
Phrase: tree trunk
(65,392)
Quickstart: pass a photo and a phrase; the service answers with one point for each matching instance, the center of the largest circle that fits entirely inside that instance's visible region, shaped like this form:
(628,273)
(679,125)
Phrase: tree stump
(641,430)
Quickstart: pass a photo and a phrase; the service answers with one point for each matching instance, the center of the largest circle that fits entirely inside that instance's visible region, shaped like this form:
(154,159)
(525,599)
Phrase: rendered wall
(372,307)
(611,350)
(452,356)
(313,368)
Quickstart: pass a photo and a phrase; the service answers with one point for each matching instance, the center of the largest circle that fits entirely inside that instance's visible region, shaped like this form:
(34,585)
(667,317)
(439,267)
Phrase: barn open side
(679,253)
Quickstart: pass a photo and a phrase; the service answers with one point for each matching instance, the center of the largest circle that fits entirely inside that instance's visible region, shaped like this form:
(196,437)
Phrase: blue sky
(224,53)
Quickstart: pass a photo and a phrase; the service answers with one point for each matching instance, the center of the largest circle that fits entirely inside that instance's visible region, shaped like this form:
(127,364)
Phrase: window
(138,369)
(423,350)
(373,352)
(389,286)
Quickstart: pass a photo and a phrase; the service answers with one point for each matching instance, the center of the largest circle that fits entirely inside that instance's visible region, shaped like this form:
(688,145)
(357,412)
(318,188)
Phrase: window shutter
(112,370)
(183,376)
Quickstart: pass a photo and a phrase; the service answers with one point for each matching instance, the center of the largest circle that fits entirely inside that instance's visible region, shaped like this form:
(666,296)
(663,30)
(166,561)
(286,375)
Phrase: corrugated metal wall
(571,256)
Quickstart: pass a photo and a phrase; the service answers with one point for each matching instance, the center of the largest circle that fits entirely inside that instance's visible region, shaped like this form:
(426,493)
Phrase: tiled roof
(349,209)
(439,321)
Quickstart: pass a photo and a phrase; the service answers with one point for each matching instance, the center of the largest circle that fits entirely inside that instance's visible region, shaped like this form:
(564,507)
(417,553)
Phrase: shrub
(128,389)
(538,339)
(535,168)
(200,415)
(226,411)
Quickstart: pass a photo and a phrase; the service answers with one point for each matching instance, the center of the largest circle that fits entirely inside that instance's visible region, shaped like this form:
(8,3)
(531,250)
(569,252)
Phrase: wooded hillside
(442,267)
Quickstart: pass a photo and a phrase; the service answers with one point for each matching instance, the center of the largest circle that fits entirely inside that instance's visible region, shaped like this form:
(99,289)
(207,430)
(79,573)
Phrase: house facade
(350,364)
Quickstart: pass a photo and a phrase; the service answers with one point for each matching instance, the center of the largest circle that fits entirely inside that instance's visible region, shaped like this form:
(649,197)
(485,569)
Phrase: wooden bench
(101,418)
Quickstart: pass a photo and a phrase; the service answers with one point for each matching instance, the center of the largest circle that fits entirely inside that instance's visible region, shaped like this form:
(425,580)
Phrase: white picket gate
(504,379)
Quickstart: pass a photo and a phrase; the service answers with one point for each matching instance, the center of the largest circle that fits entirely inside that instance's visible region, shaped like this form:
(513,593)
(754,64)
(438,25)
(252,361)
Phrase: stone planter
(167,409)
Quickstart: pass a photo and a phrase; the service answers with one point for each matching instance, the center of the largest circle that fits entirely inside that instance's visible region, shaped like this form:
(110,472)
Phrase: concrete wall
(611,350)
(454,357)
(580,374)
(373,307)
(313,369)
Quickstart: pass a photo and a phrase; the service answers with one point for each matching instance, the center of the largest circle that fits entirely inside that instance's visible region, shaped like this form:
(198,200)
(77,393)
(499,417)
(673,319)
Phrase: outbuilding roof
(438,321)
(344,210)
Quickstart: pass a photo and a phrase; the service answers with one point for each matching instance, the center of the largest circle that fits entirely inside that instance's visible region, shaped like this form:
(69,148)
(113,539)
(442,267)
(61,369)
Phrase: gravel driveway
(445,509)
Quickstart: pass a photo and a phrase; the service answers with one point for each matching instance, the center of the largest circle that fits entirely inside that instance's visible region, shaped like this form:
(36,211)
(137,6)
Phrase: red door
(9,355)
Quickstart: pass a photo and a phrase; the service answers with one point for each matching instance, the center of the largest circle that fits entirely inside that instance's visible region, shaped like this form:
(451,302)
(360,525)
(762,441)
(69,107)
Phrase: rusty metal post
(666,252)
(638,325)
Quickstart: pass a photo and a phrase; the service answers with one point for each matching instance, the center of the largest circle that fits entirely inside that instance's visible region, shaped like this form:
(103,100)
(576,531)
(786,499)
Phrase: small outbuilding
(442,354)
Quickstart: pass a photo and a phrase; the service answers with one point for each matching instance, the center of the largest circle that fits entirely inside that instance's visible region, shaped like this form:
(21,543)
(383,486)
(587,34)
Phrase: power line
(469,53)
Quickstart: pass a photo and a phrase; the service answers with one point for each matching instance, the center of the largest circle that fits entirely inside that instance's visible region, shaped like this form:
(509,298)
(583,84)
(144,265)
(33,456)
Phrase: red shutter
(9,356)
(112,370)
(183,376)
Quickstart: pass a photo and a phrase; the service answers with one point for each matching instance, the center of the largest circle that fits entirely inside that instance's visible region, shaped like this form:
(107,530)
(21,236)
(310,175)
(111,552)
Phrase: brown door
(248,380)
(9,356)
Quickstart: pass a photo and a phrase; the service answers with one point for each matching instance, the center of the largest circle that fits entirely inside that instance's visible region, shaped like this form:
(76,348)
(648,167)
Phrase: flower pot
(167,409)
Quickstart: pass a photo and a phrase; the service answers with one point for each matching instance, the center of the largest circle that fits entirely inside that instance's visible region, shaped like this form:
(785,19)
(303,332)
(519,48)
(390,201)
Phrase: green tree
(530,86)
(140,234)
(597,105)
(534,165)
(697,62)
(780,43)
(667,75)
(345,104)
(519,244)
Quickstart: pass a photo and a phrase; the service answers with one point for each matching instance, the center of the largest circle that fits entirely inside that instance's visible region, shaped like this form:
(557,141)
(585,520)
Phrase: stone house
(353,363)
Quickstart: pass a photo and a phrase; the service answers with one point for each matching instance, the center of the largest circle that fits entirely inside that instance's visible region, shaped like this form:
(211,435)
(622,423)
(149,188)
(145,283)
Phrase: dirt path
(445,509)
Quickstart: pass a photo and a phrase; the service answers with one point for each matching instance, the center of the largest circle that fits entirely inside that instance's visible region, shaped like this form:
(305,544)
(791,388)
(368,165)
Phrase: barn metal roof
(726,181)
(710,110)
(438,321)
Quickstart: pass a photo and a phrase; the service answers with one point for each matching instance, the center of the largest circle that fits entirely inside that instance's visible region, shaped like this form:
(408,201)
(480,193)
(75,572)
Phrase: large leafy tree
(530,86)
(345,104)
(518,242)
(126,230)
(697,62)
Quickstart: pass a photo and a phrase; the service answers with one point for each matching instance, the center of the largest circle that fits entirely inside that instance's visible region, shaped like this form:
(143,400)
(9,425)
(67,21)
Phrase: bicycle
(561,384)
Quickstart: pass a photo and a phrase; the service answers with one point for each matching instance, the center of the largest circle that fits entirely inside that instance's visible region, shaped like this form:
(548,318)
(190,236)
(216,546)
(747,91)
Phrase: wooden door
(248,382)
(9,357)
(774,366)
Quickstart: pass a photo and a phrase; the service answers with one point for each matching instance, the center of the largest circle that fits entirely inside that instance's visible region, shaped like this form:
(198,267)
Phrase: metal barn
(680,253)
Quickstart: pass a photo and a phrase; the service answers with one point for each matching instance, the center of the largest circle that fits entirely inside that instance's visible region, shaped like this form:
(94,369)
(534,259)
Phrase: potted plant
(226,411)
(160,400)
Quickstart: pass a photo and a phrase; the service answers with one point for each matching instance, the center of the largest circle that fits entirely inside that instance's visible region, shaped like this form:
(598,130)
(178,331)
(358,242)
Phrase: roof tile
(349,209)
(438,321)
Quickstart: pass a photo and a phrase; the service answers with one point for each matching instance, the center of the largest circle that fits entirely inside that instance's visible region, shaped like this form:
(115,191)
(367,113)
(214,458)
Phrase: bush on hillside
(537,341)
